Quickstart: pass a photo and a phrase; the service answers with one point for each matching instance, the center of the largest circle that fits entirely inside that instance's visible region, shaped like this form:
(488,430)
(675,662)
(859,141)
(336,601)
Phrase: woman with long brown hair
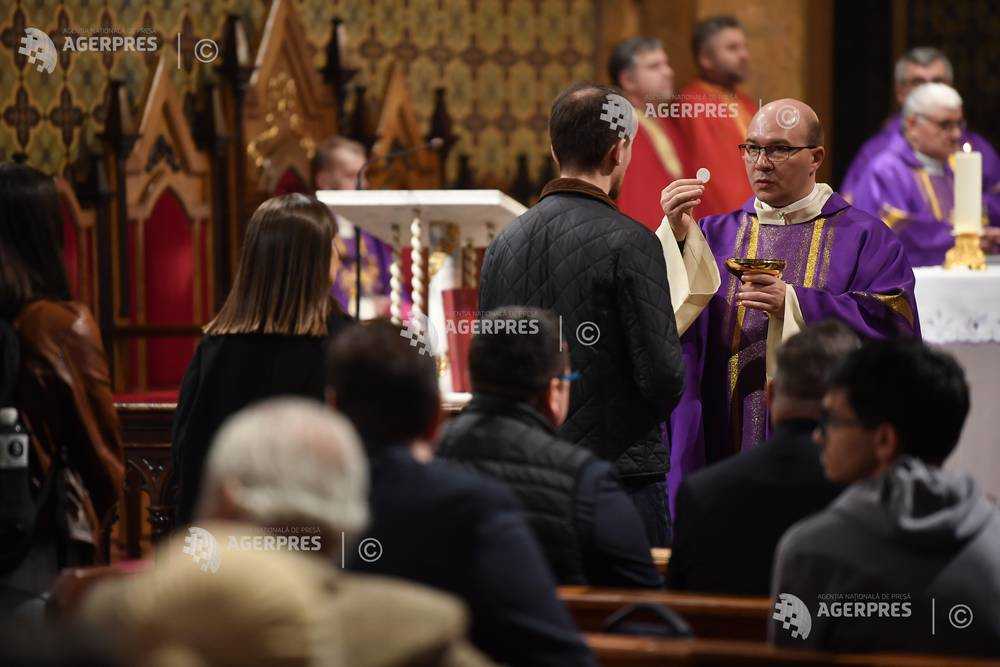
(269,337)
(53,371)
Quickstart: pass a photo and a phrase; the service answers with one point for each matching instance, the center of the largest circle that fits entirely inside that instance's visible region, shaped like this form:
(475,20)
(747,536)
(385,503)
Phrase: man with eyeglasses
(748,494)
(919,65)
(839,262)
(911,186)
(587,525)
(910,550)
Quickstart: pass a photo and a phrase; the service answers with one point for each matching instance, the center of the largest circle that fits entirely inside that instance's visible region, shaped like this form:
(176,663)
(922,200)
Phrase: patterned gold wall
(501,61)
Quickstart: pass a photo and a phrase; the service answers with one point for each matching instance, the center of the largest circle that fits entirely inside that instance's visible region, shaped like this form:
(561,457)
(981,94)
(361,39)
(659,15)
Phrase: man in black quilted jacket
(604,274)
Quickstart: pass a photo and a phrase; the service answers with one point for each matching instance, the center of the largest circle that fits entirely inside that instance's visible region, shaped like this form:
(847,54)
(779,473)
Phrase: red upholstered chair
(173,289)
(163,287)
(290,181)
(78,246)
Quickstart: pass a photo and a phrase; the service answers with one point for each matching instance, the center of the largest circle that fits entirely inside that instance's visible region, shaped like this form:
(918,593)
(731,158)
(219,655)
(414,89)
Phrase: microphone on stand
(433,144)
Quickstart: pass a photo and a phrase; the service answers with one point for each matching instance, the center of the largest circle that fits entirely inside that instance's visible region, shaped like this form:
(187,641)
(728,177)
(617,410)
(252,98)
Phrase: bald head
(794,120)
(787,140)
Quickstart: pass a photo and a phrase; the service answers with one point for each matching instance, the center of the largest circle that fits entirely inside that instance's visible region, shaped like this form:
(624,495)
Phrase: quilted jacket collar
(579,187)
(519,410)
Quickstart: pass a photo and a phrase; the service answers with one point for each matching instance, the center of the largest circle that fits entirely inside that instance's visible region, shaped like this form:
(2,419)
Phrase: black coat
(587,526)
(575,254)
(228,373)
(463,533)
(731,515)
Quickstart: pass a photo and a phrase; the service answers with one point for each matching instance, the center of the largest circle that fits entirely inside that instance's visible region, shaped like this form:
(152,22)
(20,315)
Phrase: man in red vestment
(639,66)
(714,114)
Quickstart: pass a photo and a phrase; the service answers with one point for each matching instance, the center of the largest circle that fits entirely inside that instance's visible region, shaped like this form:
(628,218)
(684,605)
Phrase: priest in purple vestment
(840,263)
(911,187)
(920,65)
(335,166)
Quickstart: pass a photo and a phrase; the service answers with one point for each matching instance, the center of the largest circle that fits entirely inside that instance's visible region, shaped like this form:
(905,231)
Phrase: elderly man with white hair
(255,581)
(919,65)
(911,185)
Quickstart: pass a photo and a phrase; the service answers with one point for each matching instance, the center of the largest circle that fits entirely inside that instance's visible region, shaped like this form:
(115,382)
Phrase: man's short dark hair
(806,360)
(920,391)
(516,351)
(707,29)
(580,138)
(382,384)
(624,53)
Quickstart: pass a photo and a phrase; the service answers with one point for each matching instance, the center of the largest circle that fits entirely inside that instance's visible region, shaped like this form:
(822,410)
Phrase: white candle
(967,217)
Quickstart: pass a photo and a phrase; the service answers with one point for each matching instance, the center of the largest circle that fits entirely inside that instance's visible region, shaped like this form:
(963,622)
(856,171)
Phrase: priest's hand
(762,291)
(678,200)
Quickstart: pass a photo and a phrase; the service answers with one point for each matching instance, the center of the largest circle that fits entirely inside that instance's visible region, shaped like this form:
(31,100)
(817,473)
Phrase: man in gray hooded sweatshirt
(908,557)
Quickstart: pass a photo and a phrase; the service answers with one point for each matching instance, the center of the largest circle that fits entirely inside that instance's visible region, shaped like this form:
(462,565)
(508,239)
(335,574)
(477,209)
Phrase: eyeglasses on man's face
(915,81)
(828,422)
(946,125)
(774,154)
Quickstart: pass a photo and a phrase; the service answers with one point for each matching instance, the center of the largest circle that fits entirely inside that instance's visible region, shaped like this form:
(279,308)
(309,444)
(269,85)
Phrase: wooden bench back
(625,651)
(712,616)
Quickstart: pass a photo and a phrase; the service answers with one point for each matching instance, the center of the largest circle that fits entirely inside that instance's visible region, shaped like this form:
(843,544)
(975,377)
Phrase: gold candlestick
(966,252)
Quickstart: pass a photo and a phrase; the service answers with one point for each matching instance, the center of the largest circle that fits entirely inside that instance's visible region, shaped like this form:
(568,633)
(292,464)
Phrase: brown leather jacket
(64,395)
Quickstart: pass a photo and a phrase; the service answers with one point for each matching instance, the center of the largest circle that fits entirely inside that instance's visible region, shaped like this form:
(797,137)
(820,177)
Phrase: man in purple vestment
(841,263)
(335,166)
(911,186)
(920,65)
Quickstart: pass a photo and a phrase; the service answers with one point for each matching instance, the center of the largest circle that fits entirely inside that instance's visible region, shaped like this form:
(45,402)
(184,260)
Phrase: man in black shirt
(731,515)
(587,525)
(433,522)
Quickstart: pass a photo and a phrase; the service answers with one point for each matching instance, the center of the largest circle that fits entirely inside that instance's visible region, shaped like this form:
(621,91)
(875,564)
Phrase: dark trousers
(650,498)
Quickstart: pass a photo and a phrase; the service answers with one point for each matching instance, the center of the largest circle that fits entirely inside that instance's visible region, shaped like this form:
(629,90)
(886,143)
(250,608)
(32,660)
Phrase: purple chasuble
(891,135)
(912,201)
(375,260)
(844,264)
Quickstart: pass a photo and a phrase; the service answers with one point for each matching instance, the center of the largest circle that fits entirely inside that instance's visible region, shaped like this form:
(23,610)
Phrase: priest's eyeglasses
(946,125)
(774,154)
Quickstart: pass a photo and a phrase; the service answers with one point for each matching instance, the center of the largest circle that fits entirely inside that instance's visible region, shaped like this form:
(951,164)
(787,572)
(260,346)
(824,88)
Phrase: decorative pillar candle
(967,217)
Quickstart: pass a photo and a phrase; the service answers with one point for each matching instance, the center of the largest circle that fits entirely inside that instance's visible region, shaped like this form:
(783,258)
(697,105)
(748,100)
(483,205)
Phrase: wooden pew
(149,471)
(624,651)
(710,616)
